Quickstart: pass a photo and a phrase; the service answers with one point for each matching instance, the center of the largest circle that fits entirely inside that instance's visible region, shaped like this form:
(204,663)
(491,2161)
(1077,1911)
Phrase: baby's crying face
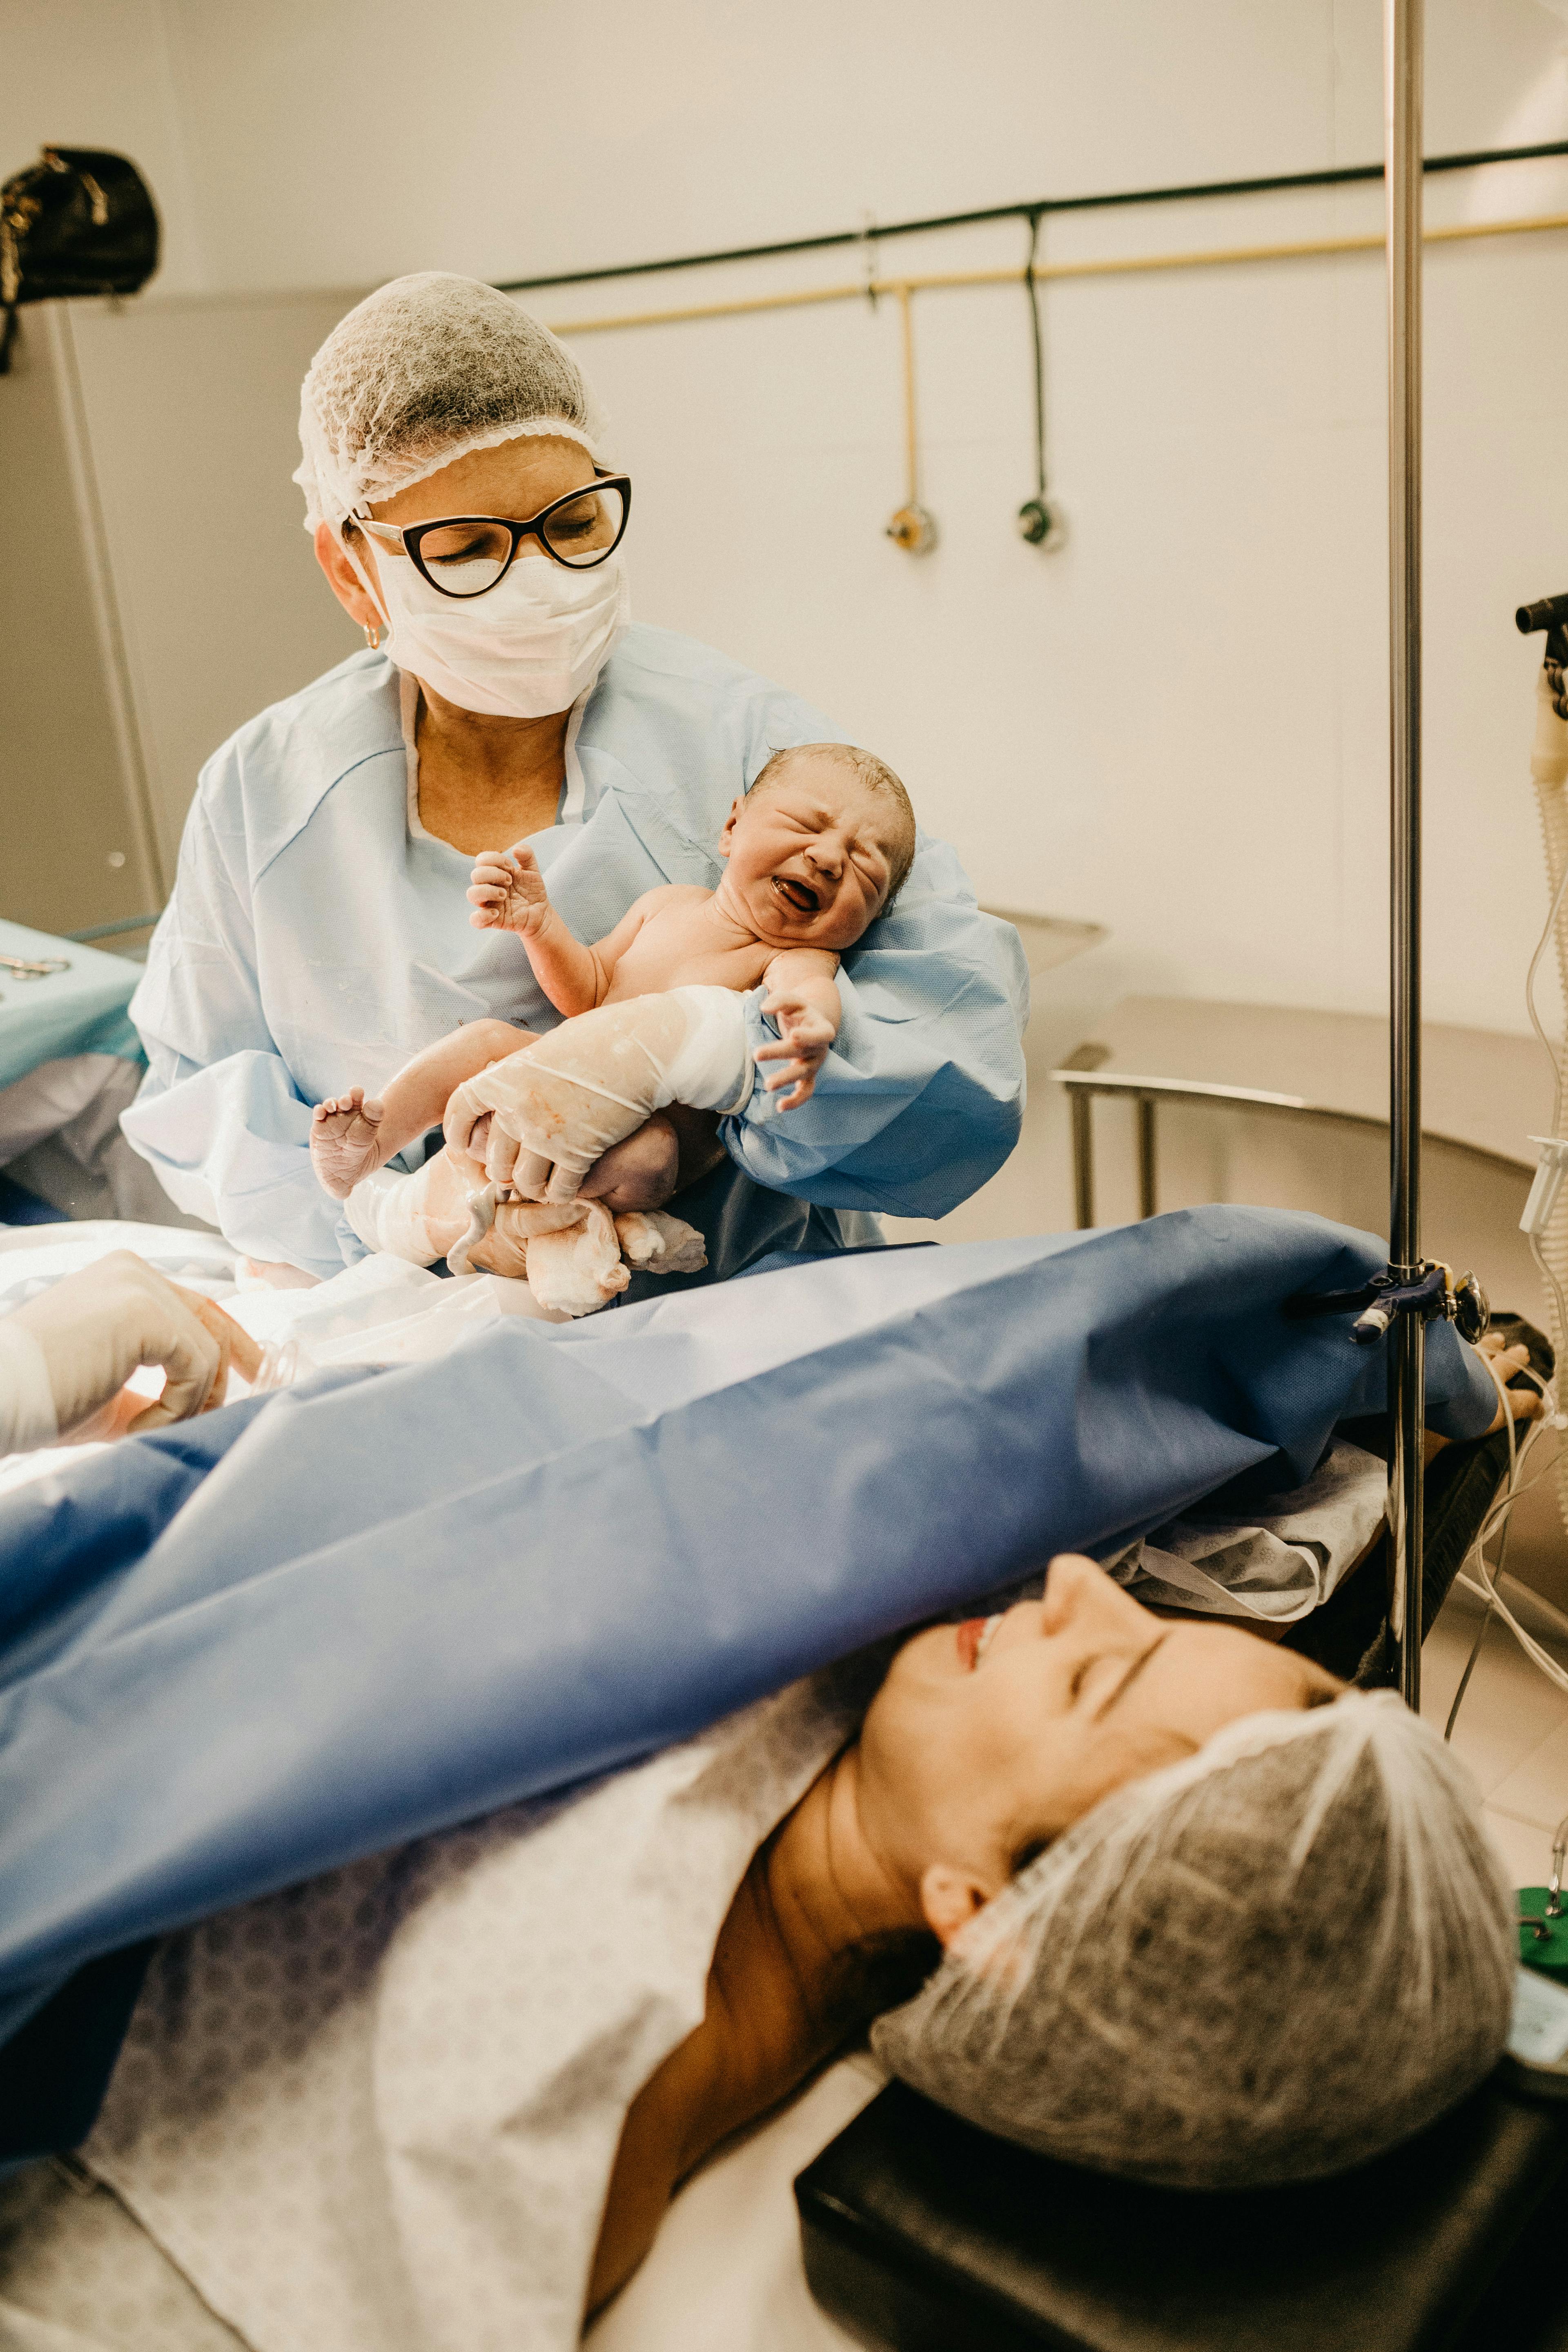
(810,857)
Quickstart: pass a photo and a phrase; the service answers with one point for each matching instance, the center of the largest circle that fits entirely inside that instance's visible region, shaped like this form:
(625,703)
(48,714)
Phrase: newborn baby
(813,854)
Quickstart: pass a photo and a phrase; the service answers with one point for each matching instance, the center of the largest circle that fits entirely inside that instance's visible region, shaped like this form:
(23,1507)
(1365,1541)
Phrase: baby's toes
(343,1141)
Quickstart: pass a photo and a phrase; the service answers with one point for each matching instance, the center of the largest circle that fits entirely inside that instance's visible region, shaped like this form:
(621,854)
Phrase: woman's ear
(727,838)
(950,1899)
(344,581)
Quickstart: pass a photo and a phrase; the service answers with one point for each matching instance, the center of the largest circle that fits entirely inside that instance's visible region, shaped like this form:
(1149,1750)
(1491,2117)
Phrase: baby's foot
(345,1140)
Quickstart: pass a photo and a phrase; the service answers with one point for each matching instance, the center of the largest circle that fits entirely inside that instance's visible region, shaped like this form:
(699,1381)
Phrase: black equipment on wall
(78,221)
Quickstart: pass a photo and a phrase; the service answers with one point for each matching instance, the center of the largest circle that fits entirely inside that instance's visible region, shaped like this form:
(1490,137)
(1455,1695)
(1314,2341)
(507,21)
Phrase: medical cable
(1484,1584)
(1559,1855)
(1036,522)
(1337,176)
(1545,1219)
(1547,932)
(1543,1210)
(1516,1484)
(1475,1550)
(1502,1555)
(911,528)
(1469,1669)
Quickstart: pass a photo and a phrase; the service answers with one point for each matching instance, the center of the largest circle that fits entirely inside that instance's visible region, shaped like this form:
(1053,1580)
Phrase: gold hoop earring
(372,636)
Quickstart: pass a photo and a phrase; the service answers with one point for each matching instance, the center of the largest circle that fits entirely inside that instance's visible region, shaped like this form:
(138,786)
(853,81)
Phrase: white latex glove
(656,1243)
(577,1268)
(418,1218)
(574,1250)
(423,1217)
(91,1331)
(560,1104)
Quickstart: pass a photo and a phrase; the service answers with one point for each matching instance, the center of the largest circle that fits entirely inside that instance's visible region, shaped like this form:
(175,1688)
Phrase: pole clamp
(1428,1290)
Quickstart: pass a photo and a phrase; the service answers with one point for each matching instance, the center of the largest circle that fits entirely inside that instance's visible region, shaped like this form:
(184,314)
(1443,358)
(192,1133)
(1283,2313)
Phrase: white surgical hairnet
(420,373)
(1268,1962)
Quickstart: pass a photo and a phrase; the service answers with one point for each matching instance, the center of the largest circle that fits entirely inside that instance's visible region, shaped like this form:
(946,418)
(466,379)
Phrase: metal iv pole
(1396,1305)
(1407,1338)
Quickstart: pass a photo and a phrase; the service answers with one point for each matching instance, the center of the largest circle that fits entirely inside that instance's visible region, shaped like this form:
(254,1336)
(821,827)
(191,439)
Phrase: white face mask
(526,648)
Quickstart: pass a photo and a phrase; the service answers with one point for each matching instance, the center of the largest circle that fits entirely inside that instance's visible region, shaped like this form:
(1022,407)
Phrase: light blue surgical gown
(317,937)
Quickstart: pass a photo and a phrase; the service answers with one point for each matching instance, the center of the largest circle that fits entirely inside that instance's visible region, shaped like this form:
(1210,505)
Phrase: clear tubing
(283,1361)
(1549,773)
(1483,1585)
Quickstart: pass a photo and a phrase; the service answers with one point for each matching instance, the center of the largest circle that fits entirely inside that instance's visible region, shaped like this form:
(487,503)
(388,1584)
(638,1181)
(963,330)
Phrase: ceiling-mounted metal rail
(1346,175)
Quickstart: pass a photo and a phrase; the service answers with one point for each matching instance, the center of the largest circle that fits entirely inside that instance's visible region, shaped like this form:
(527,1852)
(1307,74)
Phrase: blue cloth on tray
(80,1011)
(313,1626)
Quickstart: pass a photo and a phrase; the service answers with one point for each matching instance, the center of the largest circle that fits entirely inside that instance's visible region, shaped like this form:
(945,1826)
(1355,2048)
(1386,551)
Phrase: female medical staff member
(318,933)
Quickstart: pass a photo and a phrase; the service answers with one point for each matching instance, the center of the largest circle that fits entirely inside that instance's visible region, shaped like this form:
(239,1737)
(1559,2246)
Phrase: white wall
(100,73)
(1175,724)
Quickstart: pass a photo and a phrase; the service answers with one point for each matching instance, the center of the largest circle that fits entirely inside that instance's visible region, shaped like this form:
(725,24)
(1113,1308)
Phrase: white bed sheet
(725,2273)
(77,2274)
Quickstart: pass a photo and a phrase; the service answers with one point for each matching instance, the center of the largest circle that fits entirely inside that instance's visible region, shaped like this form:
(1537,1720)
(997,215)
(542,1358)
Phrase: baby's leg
(351,1137)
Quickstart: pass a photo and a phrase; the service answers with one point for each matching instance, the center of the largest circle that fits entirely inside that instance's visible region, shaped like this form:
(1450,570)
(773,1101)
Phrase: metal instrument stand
(1398,1303)
(1407,1340)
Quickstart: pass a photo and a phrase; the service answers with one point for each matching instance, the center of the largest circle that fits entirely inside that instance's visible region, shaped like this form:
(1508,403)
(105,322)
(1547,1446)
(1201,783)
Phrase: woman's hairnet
(1270,1961)
(421,372)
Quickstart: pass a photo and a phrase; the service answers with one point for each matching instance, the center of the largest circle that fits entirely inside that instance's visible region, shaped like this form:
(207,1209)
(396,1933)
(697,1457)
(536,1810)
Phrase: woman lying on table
(1129,1890)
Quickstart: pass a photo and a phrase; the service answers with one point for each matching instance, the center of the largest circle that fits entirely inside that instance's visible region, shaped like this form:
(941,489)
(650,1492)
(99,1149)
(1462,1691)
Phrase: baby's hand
(805,1039)
(508,892)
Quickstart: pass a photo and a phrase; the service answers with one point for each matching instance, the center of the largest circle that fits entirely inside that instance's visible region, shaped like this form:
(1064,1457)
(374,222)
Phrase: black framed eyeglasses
(464,555)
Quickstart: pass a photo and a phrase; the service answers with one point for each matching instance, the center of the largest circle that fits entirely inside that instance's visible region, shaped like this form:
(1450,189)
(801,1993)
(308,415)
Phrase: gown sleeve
(219,1117)
(921,1098)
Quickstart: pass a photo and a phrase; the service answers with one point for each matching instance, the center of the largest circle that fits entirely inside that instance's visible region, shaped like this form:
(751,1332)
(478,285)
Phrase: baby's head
(819,848)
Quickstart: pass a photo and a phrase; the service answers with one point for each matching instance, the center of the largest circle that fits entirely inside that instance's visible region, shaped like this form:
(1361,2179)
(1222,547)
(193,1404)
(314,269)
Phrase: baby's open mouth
(798,894)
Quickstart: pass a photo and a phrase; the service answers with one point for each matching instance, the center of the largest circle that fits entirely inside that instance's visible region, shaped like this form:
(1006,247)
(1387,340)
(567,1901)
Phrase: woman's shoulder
(275,770)
(658,678)
(348,714)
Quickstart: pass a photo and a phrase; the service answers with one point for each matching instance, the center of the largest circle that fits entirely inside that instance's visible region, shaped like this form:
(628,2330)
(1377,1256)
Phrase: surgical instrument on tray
(34,966)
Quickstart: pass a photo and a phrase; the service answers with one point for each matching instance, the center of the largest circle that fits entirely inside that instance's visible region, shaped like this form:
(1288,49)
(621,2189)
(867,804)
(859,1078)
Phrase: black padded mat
(923,2234)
